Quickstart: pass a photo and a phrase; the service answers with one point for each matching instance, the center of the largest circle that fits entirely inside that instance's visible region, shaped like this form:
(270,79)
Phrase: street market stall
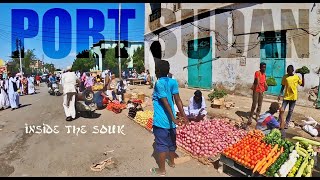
(205,140)
(270,155)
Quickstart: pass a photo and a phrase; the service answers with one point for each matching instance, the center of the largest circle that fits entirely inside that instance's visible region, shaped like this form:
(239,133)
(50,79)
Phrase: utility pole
(119,58)
(19,48)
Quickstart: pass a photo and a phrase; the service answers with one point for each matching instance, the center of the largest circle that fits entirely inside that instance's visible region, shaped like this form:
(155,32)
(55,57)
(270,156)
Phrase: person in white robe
(69,82)
(4,99)
(197,106)
(31,85)
(12,92)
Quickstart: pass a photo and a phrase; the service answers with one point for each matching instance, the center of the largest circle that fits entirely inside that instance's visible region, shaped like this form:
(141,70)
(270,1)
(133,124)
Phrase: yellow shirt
(291,84)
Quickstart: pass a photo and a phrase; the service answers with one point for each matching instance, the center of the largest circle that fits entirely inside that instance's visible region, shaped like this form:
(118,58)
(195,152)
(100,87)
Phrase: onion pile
(208,138)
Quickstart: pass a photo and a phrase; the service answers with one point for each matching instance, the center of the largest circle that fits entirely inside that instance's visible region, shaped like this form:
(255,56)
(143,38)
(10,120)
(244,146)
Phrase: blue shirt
(52,79)
(267,122)
(164,88)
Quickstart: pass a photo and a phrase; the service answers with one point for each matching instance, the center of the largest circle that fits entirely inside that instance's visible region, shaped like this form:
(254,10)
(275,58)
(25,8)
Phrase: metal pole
(119,58)
(20,48)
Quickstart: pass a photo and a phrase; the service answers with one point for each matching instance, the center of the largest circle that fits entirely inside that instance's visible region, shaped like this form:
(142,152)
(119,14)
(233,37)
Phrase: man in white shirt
(69,81)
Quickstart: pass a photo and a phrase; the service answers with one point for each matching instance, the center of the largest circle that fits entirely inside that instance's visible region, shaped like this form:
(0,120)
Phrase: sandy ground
(69,154)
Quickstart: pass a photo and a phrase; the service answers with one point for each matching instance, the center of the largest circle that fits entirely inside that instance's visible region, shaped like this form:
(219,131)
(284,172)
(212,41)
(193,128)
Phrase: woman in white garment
(4,99)
(30,85)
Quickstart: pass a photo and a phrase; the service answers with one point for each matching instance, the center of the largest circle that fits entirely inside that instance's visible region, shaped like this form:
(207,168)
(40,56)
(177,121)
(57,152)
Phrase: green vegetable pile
(217,94)
(303,70)
(273,137)
(295,167)
(271,81)
(274,168)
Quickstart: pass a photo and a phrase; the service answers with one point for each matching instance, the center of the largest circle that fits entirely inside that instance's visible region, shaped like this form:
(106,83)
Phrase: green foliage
(138,59)
(83,62)
(217,94)
(271,81)
(111,61)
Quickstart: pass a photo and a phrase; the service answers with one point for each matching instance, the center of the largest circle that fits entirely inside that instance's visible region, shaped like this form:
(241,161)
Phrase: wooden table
(135,80)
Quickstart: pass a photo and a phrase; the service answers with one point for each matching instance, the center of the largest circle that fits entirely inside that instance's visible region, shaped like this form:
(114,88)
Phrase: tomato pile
(116,107)
(250,150)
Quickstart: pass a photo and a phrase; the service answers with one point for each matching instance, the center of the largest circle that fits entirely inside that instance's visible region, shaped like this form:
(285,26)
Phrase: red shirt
(261,81)
(38,78)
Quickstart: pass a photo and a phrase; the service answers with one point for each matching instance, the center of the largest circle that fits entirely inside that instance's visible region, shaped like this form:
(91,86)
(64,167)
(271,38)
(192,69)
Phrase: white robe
(31,85)
(69,81)
(4,99)
(13,96)
(191,110)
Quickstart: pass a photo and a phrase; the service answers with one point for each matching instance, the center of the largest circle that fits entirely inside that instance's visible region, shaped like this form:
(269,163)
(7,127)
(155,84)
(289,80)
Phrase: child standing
(164,119)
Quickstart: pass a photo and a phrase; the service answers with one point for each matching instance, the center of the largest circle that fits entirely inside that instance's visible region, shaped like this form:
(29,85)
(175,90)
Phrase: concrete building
(222,44)
(99,49)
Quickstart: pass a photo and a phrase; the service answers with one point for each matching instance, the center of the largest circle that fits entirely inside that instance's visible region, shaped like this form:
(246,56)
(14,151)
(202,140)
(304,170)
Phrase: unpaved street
(64,154)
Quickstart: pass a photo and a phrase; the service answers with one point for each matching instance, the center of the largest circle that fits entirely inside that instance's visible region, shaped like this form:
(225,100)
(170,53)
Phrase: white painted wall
(228,70)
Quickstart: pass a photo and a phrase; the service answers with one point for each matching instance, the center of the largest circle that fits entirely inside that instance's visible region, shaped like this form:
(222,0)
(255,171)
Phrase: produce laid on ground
(250,150)
(97,87)
(208,138)
(217,94)
(271,81)
(273,156)
(116,107)
(303,70)
(143,118)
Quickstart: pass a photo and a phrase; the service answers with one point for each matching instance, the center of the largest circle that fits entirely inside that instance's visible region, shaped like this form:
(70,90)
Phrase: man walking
(69,81)
(290,83)
(259,87)
(12,92)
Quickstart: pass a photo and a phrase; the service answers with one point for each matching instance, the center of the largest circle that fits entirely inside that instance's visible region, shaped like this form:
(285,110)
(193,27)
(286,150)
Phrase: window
(176,6)
(155,11)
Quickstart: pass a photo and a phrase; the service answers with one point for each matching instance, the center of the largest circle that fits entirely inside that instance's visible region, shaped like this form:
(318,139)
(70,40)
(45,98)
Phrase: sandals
(100,166)
(169,164)
(154,172)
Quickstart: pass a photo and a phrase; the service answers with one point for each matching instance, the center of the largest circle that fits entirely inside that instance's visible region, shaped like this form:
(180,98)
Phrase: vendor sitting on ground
(267,121)
(101,98)
(196,109)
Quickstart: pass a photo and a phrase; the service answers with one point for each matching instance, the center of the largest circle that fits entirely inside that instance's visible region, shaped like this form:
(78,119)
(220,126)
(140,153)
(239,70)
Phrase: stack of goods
(274,138)
(263,154)
(149,124)
(97,87)
(249,150)
(142,117)
(303,70)
(208,138)
(116,107)
(302,162)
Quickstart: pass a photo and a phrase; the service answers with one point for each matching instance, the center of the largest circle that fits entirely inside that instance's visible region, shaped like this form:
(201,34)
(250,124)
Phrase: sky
(46,37)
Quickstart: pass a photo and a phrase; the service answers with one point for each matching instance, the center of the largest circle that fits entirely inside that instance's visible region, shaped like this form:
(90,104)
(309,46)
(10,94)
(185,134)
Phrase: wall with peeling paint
(227,71)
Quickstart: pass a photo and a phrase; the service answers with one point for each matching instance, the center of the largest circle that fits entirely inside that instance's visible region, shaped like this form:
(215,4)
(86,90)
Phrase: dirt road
(69,154)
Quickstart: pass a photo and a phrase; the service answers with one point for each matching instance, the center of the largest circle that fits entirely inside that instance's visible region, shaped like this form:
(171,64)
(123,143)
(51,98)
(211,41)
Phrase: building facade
(222,44)
(99,49)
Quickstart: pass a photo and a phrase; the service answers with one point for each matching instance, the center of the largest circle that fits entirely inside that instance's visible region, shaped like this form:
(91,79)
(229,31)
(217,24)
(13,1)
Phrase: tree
(83,62)
(138,59)
(49,67)
(111,61)
(27,57)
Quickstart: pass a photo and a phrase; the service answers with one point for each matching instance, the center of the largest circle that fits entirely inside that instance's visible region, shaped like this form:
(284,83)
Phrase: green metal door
(200,63)
(273,53)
